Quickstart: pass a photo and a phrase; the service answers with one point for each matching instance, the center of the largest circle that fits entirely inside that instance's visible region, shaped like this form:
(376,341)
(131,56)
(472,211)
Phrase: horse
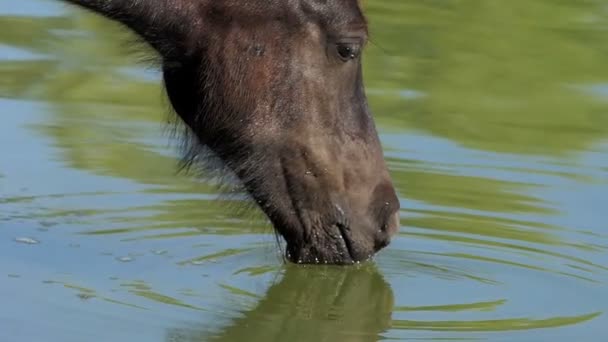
(274,89)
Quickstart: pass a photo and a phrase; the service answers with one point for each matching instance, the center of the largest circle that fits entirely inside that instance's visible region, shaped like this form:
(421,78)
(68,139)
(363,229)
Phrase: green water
(494,119)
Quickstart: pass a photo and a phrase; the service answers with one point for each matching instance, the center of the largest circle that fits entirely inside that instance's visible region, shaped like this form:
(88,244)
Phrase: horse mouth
(337,248)
(345,239)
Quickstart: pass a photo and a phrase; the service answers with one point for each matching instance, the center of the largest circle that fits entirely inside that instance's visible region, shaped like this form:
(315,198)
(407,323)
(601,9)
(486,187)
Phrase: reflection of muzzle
(323,303)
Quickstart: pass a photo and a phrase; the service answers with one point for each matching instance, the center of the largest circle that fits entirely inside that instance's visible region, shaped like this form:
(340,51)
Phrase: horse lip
(344,249)
(344,235)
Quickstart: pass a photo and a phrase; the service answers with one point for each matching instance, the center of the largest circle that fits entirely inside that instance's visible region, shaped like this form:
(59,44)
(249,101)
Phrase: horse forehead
(333,12)
(326,12)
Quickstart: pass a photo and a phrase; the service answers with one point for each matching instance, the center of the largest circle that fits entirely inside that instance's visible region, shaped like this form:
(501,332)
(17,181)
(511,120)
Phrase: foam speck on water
(27,240)
(125,259)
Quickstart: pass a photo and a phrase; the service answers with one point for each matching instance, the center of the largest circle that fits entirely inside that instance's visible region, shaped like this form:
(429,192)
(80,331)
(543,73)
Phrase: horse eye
(347,52)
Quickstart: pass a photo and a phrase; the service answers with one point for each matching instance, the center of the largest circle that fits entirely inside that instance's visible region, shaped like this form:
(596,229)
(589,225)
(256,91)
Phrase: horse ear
(164,24)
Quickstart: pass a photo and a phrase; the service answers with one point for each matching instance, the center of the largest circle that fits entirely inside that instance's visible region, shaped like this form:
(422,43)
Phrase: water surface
(494,119)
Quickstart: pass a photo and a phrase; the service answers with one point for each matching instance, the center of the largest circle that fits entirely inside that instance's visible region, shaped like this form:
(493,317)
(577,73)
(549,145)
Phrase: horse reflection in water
(311,305)
(274,90)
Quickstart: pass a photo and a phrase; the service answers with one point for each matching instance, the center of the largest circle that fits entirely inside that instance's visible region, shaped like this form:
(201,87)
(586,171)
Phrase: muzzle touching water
(330,214)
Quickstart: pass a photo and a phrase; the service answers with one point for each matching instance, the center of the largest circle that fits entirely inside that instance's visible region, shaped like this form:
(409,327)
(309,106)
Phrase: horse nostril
(386,231)
(385,203)
(381,240)
(383,229)
(392,226)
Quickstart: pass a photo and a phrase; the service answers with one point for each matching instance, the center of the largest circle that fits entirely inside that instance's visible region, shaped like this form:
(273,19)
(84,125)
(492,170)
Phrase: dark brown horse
(274,89)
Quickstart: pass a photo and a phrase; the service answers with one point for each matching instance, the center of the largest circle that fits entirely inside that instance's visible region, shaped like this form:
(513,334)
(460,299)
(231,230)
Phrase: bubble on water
(160,251)
(27,240)
(125,259)
(48,223)
(85,296)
